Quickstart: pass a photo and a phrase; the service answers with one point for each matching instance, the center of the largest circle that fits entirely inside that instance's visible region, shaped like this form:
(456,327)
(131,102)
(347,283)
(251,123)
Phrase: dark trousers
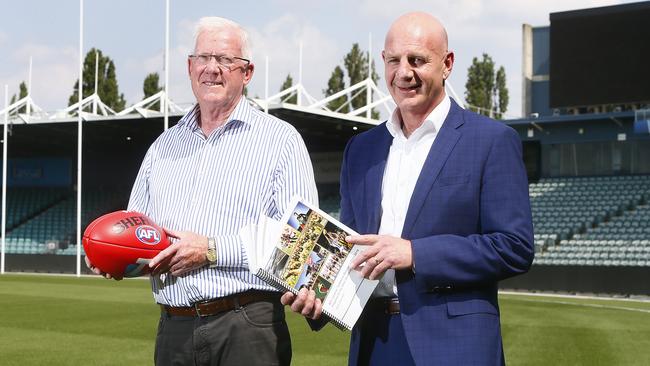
(255,334)
(383,341)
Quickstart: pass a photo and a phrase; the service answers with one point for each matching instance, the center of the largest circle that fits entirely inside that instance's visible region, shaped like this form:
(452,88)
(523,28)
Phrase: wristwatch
(211,255)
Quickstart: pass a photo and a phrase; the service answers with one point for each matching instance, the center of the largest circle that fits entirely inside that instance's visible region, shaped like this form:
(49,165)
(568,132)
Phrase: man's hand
(185,254)
(383,252)
(98,271)
(304,303)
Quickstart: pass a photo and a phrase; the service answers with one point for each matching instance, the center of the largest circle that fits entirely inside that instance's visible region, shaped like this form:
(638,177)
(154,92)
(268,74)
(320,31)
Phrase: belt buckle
(392,306)
(198,310)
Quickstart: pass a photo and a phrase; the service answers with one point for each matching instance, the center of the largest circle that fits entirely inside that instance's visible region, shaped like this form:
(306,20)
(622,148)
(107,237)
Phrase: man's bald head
(417,63)
(420,24)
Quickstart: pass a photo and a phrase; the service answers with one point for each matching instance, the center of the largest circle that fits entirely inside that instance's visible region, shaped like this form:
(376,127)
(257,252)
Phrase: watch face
(211,255)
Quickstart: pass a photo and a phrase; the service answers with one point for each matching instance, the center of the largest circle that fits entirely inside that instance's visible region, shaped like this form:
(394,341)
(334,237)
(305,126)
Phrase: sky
(132,33)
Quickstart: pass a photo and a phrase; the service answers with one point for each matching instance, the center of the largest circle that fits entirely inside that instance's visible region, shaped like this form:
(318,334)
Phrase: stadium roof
(587,117)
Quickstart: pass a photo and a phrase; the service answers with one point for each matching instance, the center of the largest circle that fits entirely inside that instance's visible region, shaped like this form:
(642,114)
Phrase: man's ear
(248,73)
(449,64)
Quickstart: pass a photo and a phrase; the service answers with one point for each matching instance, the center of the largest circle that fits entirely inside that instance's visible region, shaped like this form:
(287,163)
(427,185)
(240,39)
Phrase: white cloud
(54,72)
(280,40)
(180,89)
(469,10)
(138,68)
(478,26)
(475,26)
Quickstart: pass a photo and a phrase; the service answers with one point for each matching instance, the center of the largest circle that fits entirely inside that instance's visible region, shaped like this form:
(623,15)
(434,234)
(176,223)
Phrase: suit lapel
(443,145)
(374,178)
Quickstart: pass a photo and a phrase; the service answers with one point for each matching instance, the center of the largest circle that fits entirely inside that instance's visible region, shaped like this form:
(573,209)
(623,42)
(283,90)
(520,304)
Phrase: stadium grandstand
(586,150)
(44,150)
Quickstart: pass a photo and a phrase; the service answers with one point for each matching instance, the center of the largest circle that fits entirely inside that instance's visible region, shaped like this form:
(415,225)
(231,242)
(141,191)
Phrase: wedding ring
(377,261)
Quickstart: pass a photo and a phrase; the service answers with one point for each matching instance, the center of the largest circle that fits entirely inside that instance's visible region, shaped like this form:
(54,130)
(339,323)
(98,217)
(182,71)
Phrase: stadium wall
(583,279)
(44,263)
(573,279)
(604,144)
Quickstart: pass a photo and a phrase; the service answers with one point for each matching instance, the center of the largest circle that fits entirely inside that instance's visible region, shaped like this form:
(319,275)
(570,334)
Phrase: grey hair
(216,23)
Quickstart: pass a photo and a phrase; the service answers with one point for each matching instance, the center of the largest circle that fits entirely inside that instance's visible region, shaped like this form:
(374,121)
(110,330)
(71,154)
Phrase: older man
(442,194)
(218,169)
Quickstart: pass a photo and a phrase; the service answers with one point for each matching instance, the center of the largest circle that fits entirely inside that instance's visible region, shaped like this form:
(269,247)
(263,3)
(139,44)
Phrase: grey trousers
(255,334)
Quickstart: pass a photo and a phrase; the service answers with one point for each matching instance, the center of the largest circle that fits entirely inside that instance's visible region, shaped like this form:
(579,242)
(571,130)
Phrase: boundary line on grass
(600,306)
(514,293)
(83,275)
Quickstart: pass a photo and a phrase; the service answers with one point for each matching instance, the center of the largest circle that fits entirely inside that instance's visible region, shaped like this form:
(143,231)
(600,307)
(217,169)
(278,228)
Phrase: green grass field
(58,320)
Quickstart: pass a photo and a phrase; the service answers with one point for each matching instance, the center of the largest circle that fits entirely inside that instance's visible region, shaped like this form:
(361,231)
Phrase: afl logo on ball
(147,235)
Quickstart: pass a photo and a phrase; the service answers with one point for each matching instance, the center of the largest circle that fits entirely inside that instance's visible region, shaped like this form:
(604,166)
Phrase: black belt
(390,305)
(386,305)
(220,305)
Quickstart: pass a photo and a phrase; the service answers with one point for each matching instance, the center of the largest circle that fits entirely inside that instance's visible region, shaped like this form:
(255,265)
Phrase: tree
(150,87)
(107,87)
(485,90)
(356,65)
(288,83)
(335,84)
(22,93)
(501,92)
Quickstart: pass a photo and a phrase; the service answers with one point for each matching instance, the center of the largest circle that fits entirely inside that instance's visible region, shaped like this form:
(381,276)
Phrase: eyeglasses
(227,61)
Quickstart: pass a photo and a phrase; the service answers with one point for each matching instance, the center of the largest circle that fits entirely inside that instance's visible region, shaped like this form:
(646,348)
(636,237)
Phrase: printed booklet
(307,248)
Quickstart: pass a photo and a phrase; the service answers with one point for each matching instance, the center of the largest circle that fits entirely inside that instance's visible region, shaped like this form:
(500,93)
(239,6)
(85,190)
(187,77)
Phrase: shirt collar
(432,123)
(191,119)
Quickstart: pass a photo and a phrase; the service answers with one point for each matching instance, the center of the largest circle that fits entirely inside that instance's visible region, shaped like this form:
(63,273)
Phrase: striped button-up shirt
(252,165)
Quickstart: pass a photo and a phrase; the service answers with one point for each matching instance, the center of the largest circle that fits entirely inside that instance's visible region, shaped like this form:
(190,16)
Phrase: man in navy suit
(442,196)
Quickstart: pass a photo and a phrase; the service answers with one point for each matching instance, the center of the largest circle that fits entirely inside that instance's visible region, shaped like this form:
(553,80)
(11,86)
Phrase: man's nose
(213,65)
(404,70)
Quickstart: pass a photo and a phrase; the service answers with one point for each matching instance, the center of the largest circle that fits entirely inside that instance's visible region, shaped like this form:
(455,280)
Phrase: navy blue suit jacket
(470,225)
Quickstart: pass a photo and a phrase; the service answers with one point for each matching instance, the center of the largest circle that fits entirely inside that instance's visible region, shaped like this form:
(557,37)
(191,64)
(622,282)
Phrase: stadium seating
(24,203)
(586,221)
(592,221)
(51,228)
(331,205)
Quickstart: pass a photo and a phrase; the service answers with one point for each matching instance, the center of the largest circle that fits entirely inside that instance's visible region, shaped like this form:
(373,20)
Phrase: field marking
(599,306)
(606,298)
(83,275)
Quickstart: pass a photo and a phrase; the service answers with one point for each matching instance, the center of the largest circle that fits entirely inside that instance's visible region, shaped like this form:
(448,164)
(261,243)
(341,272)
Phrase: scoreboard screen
(600,56)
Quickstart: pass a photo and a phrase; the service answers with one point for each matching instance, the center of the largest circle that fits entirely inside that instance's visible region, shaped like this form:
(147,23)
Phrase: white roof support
(26,103)
(90,101)
(370,106)
(374,97)
(143,107)
(453,94)
(334,96)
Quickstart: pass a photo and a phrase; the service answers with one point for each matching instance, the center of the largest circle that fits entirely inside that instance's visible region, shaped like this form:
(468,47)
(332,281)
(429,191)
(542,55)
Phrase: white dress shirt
(403,166)
(213,186)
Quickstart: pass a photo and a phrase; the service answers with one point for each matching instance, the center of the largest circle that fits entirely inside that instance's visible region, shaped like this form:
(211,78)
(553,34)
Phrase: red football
(121,243)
